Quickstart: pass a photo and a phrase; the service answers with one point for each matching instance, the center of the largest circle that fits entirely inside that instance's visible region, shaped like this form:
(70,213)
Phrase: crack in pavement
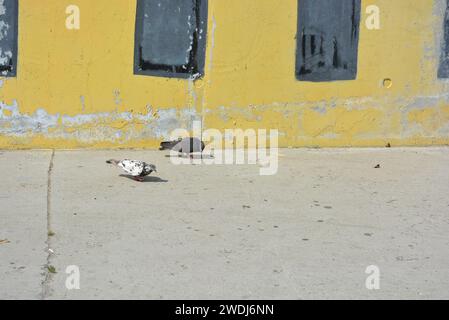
(48,274)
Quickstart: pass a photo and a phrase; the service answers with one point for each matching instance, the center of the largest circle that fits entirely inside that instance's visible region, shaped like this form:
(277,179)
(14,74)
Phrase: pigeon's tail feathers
(168,145)
(114,162)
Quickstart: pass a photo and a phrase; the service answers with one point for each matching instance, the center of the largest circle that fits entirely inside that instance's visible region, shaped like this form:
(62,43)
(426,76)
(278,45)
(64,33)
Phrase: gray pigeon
(184,146)
(137,169)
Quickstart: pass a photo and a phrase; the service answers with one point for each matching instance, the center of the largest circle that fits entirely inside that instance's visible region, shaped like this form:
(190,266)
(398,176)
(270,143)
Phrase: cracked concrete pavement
(225,232)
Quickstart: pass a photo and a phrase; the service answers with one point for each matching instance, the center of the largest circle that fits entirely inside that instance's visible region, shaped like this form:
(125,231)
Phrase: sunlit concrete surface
(23,223)
(224,231)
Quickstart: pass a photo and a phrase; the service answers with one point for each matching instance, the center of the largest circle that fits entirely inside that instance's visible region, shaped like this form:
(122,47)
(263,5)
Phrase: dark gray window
(8,37)
(170,38)
(443,70)
(327,40)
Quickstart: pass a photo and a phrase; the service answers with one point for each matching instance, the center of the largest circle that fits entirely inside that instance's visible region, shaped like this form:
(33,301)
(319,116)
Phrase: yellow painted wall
(76,88)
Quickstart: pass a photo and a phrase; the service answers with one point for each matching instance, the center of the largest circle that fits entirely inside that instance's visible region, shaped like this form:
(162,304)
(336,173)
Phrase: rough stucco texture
(77,88)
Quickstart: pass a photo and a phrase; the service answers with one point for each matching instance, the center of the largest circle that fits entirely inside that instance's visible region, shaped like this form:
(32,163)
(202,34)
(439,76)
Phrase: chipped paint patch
(349,120)
(336,120)
(88,128)
(2,7)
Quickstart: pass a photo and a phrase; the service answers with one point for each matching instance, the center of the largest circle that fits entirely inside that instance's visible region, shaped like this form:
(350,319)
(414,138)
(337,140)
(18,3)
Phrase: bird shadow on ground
(145,179)
(194,156)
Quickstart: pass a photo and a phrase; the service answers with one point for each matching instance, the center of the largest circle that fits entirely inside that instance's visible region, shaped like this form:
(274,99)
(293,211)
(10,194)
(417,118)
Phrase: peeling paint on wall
(116,127)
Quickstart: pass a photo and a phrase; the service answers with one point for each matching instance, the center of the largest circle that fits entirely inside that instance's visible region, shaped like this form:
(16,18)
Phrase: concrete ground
(224,231)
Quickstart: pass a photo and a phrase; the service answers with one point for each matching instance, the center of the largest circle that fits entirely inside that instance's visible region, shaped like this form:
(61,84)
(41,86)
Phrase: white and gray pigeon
(137,169)
(184,146)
